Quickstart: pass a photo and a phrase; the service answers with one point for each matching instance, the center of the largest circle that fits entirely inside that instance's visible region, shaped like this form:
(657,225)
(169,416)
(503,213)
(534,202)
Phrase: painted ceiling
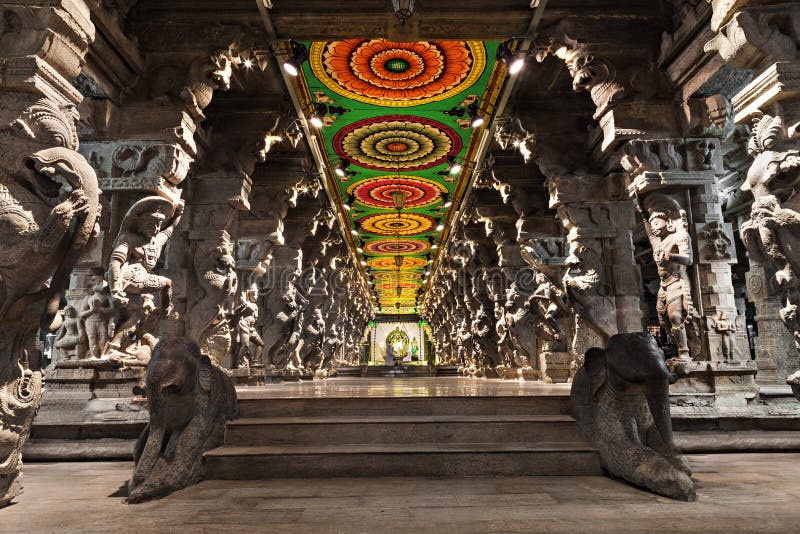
(396,118)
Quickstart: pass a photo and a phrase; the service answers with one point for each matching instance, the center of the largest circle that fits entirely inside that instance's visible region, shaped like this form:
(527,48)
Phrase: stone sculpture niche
(620,398)
(145,230)
(190,399)
(49,205)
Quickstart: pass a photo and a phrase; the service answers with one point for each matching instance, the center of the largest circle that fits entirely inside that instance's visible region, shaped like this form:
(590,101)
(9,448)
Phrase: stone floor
(443,386)
(737,493)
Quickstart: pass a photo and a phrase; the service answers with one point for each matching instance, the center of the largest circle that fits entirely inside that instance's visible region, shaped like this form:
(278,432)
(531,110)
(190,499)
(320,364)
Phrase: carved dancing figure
(667,230)
(249,342)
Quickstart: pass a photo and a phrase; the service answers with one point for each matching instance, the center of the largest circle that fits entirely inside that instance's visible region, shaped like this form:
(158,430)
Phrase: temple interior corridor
(398,265)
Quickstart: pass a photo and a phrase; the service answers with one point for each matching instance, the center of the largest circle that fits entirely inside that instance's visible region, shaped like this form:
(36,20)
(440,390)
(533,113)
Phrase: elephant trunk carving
(620,398)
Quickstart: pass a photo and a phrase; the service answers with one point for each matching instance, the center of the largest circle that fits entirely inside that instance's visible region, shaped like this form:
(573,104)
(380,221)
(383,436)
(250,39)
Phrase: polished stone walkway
(737,493)
(443,386)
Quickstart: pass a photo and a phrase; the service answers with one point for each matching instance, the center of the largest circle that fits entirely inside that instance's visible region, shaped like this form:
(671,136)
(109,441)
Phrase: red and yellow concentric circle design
(394,74)
(377,192)
(396,246)
(397,143)
(384,262)
(397,223)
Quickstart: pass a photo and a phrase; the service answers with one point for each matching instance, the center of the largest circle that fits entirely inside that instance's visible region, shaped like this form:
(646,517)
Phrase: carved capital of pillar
(750,34)
(146,166)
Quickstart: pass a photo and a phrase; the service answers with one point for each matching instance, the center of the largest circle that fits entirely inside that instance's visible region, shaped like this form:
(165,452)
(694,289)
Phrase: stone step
(411,459)
(398,429)
(447,370)
(396,371)
(251,406)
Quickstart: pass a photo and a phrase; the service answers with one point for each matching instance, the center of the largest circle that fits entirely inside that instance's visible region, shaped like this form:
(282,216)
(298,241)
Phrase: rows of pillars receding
(202,236)
(647,172)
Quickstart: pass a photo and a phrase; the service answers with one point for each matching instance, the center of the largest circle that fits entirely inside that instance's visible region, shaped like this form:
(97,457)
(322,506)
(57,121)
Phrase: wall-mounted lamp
(298,54)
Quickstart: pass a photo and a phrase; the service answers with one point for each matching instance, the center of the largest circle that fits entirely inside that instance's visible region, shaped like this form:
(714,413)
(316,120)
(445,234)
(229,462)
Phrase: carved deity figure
(96,313)
(212,306)
(283,303)
(772,235)
(137,248)
(249,343)
(667,229)
(727,333)
(71,338)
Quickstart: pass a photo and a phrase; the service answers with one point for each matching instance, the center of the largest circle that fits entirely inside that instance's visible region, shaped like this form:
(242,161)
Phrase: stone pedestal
(88,410)
(560,366)
(712,385)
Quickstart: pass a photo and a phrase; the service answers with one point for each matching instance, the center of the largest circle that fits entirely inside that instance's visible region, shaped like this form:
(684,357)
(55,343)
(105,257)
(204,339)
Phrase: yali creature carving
(49,205)
(772,235)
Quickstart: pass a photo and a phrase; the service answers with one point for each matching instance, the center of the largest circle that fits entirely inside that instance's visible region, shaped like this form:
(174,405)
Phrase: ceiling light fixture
(403,9)
(447,202)
(475,118)
(398,261)
(398,199)
(453,166)
(318,118)
(341,168)
(514,60)
(439,228)
(298,55)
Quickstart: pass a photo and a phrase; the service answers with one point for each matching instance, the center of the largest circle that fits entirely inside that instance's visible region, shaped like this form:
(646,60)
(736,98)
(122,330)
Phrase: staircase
(401,436)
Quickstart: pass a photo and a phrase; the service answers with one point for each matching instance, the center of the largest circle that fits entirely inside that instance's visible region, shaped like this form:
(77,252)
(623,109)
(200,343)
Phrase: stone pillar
(776,355)
(751,35)
(43,43)
(603,281)
(676,179)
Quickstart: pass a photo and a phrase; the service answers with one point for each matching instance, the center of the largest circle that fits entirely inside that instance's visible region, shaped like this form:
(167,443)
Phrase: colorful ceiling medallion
(397,246)
(392,286)
(377,192)
(388,73)
(397,143)
(394,276)
(409,262)
(397,223)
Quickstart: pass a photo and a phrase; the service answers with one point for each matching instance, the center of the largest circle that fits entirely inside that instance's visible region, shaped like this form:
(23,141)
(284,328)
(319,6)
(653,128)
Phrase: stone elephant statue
(620,398)
(190,399)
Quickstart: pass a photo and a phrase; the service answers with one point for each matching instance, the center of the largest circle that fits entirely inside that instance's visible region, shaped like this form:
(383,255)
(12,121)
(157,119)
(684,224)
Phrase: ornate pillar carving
(603,281)
(49,200)
(762,37)
(678,178)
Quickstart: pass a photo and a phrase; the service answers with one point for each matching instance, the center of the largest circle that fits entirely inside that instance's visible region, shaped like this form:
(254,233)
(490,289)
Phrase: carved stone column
(762,37)
(212,282)
(49,200)
(603,281)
